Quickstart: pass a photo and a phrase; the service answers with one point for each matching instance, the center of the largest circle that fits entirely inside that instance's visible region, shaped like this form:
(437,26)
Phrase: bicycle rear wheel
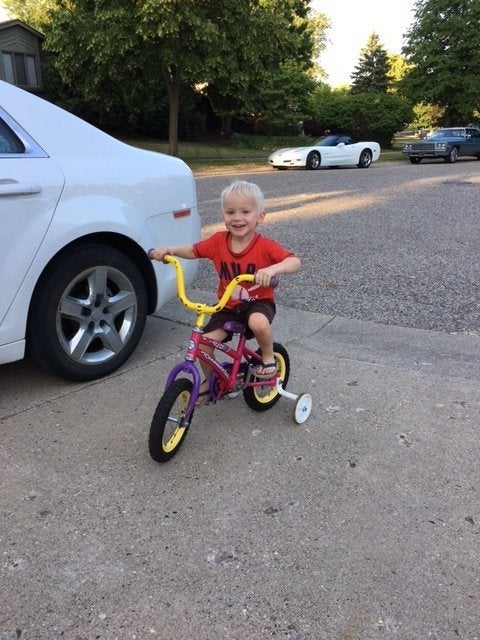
(262,398)
(168,430)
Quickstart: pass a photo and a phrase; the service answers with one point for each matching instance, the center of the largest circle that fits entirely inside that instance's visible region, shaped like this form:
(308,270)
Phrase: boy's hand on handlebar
(265,278)
(158,253)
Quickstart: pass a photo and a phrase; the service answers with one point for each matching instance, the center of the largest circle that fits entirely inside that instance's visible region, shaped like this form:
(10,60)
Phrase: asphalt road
(396,244)
(361,524)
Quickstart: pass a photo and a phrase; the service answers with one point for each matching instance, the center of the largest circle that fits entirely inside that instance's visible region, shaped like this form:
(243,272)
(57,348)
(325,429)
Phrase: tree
(443,49)
(32,12)
(110,51)
(378,116)
(276,94)
(283,101)
(371,73)
(426,116)
(367,116)
(397,69)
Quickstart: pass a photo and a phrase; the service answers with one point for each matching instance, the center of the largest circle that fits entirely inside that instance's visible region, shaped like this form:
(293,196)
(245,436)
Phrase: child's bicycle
(175,409)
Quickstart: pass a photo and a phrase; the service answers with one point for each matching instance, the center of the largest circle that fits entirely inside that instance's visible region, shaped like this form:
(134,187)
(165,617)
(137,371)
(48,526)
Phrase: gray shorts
(241,313)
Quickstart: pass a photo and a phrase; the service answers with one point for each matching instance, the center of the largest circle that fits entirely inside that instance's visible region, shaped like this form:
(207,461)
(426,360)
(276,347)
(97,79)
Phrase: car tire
(452,155)
(365,159)
(415,160)
(313,161)
(87,313)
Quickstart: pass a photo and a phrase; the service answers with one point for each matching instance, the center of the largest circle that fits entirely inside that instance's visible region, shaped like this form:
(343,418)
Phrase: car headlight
(407,147)
(441,146)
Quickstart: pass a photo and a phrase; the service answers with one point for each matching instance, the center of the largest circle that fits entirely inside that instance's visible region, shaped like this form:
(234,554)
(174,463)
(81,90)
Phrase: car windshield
(447,133)
(330,141)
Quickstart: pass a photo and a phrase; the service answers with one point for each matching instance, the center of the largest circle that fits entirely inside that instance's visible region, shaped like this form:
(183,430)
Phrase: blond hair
(246,189)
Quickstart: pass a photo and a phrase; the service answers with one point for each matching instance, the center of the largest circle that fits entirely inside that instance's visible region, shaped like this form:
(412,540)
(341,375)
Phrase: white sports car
(337,150)
(78,212)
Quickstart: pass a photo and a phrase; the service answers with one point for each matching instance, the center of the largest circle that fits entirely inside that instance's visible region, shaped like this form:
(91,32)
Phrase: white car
(78,212)
(332,151)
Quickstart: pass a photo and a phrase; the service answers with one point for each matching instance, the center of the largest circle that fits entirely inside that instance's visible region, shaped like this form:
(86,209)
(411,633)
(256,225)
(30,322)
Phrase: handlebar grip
(164,259)
(275,281)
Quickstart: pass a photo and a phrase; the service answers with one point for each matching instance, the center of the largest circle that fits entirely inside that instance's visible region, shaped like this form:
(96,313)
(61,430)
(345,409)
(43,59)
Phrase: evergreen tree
(371,75)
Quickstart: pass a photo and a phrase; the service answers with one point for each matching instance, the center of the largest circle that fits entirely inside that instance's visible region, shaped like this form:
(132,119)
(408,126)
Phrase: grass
(247,151)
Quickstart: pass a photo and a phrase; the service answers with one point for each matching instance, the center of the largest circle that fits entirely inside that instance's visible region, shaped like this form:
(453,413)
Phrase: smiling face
(241,216)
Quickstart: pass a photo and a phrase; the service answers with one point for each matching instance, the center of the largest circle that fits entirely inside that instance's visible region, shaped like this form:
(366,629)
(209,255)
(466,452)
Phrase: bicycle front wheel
(262,398)
(168,428)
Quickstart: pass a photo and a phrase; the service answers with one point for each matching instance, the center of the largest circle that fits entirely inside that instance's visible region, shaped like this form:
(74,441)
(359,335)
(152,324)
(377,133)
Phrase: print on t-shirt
(235,270)
(243,293)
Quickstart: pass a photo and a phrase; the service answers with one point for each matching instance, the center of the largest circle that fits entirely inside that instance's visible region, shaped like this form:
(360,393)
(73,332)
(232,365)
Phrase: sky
(352,22)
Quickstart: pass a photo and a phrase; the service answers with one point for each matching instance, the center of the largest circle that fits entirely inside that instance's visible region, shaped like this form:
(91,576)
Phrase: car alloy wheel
(313,160)
(365,159)
(88,313)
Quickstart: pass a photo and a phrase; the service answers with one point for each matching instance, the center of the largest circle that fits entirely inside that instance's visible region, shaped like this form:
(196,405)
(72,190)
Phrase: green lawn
(245,150)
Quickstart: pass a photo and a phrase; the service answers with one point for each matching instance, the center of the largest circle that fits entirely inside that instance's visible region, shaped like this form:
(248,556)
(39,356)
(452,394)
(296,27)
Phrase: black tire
(415,160)
(166,431)
(365,159)
(87,313)
(313,161)
(263,398)
(452,155)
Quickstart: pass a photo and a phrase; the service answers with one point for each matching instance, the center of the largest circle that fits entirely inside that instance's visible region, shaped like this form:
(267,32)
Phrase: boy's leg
(219,335)
(262,330)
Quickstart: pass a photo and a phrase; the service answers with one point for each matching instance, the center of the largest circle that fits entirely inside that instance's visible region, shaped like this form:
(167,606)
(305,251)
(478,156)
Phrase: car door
(472,143)
(30,186)
(345,151)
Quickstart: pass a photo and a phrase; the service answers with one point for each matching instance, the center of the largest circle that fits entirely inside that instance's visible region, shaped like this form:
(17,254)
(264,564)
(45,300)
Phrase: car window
(448,133)
(9,142)
(344,139)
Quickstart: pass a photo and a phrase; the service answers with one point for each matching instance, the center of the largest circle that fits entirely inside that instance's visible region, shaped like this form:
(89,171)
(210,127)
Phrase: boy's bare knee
(258,322)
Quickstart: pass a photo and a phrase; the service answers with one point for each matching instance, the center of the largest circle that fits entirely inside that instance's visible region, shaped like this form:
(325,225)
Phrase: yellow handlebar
(200,308)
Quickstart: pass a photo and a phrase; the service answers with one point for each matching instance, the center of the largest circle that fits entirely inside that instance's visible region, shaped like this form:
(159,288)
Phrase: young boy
(241,249)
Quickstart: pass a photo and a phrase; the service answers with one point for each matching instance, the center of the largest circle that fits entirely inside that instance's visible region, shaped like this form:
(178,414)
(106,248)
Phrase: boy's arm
(182,251)
(291,264)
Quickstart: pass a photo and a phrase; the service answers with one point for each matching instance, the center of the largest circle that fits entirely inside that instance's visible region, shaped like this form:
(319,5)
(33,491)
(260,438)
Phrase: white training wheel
(302,408)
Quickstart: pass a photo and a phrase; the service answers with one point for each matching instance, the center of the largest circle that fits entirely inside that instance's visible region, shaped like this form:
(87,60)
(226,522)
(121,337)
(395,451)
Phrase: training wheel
(302,408)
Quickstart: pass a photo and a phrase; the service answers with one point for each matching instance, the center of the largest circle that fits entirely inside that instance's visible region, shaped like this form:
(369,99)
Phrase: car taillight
(182,213)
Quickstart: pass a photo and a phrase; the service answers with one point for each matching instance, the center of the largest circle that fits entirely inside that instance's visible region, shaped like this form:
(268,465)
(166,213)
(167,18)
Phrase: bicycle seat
(232,326)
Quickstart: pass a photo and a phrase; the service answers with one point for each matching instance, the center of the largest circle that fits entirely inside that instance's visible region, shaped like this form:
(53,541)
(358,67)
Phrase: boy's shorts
(241,313)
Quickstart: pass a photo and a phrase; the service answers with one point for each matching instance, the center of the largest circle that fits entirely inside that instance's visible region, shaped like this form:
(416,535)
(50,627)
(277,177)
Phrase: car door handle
(13,188)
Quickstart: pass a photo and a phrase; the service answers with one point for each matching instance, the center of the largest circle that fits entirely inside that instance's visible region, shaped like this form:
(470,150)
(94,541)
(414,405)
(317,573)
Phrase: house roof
(6,24)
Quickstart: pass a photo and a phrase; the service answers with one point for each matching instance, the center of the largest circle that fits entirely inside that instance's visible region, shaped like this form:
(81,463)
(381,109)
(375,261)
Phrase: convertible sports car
(337,150)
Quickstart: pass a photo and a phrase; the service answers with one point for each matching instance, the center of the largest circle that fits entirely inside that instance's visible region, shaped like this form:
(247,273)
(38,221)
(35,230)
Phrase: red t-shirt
(261,252)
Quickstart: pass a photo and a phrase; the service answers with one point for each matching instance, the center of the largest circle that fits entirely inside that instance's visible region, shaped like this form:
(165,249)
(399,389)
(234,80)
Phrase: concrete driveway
(361,524)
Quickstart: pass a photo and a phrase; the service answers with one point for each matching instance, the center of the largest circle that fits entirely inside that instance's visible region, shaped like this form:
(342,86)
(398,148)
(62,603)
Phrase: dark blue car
(449,143)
